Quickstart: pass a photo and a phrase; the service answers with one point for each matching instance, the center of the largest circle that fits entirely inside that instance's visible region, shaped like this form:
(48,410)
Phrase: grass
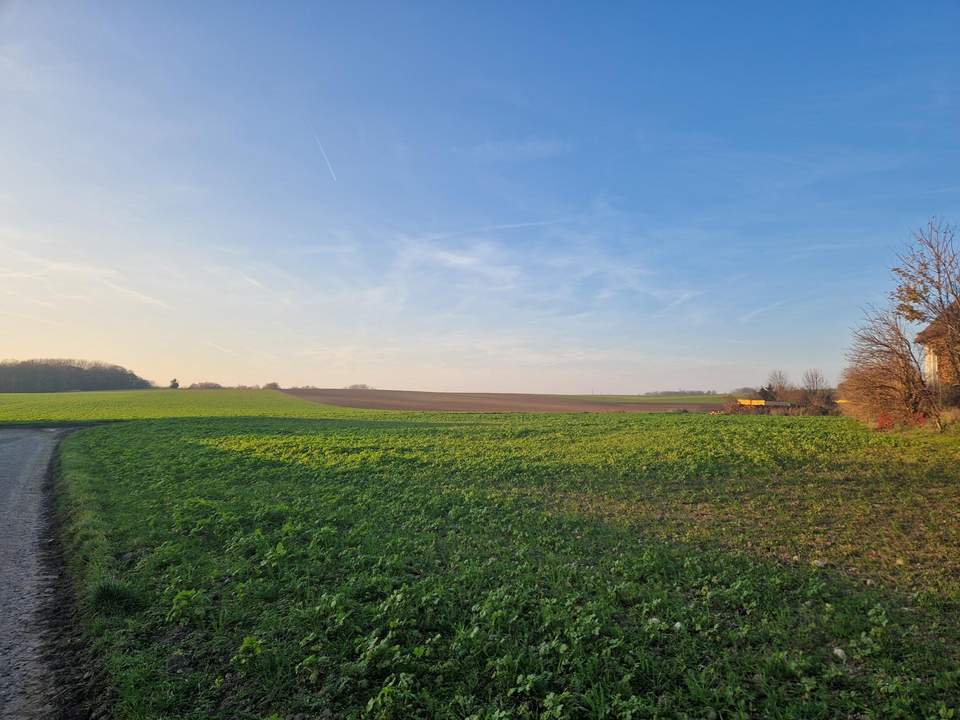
(353,564)
(82,407)
(87,407)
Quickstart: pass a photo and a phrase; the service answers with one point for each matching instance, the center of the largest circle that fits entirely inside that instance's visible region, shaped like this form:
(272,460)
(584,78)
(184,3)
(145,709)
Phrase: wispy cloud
(483,259)
(251,280)
(135,295)
(503,226)
(339,249)
(682,297)
(221,348)
(30,318)
(37,267)
(753,314)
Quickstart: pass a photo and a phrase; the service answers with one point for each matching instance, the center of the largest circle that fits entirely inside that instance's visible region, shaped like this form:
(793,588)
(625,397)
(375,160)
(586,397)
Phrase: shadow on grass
(260,546)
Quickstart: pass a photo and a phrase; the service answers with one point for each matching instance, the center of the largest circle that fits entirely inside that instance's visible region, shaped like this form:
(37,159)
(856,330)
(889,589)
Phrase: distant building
(750,402)
(934,340)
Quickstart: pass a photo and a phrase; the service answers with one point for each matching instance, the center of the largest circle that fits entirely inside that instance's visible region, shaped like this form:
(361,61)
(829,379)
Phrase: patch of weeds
(189,606)
(111,595)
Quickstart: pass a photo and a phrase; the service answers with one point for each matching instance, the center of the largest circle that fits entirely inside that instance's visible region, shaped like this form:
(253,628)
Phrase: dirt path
(27,582)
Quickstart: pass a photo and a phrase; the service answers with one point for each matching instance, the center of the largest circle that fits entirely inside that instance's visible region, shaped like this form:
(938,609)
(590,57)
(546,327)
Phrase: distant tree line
(208,385)
(66,375)
(813,396)
(22,376)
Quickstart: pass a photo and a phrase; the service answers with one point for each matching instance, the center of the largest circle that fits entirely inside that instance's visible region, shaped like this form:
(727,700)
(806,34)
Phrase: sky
(497,196)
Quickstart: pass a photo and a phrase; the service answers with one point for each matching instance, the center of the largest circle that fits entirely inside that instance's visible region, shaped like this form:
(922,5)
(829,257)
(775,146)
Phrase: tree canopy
(60,375)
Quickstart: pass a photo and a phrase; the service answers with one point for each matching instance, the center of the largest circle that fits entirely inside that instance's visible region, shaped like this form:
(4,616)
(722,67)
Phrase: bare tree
(814,390)
(928,287)
(814,382)
(779,384)
(885,376)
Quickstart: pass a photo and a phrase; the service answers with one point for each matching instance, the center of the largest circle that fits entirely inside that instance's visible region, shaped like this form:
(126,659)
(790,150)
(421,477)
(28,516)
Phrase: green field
(69,408)
(281,557)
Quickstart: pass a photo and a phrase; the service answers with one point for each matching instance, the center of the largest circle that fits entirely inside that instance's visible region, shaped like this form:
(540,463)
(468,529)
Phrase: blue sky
(518,197)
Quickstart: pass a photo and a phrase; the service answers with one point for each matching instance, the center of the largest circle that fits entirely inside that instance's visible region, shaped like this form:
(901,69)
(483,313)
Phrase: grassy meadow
(250,555)
(108,405)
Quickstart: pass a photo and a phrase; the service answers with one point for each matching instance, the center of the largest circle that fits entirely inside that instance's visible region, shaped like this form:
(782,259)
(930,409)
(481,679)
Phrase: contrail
(135,294)
(325,158)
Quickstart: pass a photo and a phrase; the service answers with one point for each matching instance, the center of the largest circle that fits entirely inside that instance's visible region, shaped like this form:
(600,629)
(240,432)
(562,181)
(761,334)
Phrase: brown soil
(483,402)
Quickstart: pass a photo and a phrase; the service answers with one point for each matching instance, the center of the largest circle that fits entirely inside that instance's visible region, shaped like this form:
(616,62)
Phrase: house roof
(937,328)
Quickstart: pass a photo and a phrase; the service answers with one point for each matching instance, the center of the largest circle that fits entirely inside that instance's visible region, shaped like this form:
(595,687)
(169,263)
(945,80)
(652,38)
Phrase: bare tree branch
(885,375)
(928,288)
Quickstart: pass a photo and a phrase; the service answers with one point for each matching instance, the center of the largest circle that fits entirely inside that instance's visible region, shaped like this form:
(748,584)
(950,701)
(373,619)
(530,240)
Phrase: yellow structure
(762,403)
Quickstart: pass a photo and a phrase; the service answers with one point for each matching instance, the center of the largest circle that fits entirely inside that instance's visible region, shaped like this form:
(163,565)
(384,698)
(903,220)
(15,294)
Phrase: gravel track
(28,580)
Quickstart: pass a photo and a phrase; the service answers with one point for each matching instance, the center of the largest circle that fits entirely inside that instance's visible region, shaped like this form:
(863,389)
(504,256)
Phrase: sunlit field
(67,408)
(281,557)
